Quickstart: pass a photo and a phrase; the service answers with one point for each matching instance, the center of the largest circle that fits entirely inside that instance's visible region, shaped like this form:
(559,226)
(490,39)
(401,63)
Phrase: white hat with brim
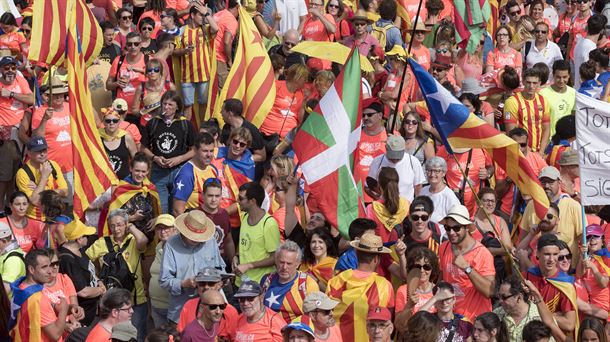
(459,213)
(195,226)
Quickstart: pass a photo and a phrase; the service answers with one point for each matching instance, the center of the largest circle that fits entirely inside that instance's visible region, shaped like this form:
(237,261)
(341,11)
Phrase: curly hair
(419,253)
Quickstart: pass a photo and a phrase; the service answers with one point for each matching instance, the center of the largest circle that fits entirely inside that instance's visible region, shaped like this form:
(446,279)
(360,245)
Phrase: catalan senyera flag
(325,147)
(50,29)
(92,171)
(356,295)
(251,78)
(459,128)
(24,322)
(323,271)
(122,194)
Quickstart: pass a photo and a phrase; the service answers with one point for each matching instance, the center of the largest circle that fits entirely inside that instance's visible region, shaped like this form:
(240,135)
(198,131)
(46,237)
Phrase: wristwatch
(468,270)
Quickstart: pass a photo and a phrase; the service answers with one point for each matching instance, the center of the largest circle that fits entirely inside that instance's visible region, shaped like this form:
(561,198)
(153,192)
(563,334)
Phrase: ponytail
(388,180)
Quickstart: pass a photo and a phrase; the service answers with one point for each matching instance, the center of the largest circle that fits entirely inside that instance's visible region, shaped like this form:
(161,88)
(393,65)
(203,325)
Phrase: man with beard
(205,327)
(15,95)
(526,250)
(466,264)
(371,142)
(319,308)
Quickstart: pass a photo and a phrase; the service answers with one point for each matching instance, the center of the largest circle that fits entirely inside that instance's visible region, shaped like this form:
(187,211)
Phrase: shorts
(10,160)
(188,93)
(222,71)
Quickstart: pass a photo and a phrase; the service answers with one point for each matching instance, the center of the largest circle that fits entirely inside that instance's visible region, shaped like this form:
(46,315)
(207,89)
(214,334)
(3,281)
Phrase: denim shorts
(188,93)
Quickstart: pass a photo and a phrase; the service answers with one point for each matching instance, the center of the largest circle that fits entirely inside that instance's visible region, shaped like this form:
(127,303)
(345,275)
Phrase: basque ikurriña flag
(325,146)
(459,128)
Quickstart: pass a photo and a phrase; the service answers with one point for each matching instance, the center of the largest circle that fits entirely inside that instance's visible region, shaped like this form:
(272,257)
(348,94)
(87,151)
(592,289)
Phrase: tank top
(419,153)
(119,159)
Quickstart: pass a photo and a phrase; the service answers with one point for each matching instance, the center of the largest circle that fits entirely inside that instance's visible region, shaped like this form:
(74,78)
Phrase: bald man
(291,38)
(208,323)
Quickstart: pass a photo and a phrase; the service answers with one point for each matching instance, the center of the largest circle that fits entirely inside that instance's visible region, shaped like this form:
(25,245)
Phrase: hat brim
(354,18)
(207,280)
(441,65)
(246,295)
(149,109)
(58,91)
(38,148)
(394,154)
(356,245)
(328,304)
(197,237)
(457,217)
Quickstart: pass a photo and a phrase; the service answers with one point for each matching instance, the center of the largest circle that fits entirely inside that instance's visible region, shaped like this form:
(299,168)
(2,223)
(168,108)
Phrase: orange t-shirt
(499,59)
(284,114)
(314,29)
(47,315)
(469,302)
(57,134)
(12,41)
(228,322)
(401,300)
(11,110)
(598,296)
(29,236)
(135,78)
(369,147)
(422,56)
(63,287)
(99,334)
(267,328)
(226,22)
(334,335)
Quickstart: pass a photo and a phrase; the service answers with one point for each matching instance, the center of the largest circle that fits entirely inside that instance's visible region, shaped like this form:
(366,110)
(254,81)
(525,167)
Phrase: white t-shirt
(548,55)
(291,11)
(581,55)
(410,173)
(443,201)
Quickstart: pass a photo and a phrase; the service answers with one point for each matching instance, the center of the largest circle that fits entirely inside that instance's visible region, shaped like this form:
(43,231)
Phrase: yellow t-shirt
(528,114)
(23,184)
(256,243)
(132,256)
(560,104)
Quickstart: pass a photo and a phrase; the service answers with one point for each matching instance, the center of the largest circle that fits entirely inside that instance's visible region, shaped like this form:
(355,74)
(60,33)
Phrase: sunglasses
(523,144)
(410,122)
(541,31)
(112,121)
(439,69)
(443,50)
(325,312)
(26,31)
(246,299)
(456,229)
(239,143)
(333,6)
(11,68)
(424,267)
(289,44)
(550,216)
(420,32)
(582,1)
(415,218)
(126,18)
(134,44)
(146,28)
(514,13)
(149,70)
(369,114)
(591,237)
(55,264)
(211,180)
(215,306)
(502,35)
(567,257)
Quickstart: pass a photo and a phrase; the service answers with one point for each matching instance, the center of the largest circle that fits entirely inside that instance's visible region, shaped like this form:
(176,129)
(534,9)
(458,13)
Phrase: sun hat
(370,243)
(360,15)
(459,213)
(150,102)
(58,86)
(395,147)
(195,226)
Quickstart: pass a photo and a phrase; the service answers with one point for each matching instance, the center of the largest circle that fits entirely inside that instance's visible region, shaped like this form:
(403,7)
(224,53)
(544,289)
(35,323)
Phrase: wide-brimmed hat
(459,213)
(472,86)
(421,26)
(569,157)
(57,86)
(195,226)
(77,229)
(399,52)
(442,61)
(318,301)
(370,243)
(150,102)
(360,15)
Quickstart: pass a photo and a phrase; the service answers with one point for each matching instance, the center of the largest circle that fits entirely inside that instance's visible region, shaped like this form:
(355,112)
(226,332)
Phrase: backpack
(13,254)
(381,34)
(30,173)
(115,271)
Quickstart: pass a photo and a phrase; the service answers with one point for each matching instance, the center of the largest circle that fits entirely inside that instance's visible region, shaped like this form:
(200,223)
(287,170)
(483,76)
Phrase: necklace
(206,330)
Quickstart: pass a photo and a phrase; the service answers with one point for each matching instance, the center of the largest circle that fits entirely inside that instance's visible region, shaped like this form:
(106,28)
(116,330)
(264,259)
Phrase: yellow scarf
(388,220)
(107,137)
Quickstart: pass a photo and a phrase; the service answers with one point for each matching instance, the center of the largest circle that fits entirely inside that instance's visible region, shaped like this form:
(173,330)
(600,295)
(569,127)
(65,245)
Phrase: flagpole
(404,71)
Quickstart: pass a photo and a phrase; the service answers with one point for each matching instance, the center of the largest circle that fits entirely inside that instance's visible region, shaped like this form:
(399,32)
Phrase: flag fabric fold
(50,31)
(251,78)
(470,18)
(459,128)
(25,312)
(92,171)
(325,146)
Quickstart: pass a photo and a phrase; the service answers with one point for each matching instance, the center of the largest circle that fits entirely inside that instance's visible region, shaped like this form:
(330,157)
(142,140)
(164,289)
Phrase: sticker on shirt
(167,142)
(245,242)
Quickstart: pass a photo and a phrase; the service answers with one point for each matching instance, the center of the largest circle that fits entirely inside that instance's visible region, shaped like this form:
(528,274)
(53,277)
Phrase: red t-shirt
(57,134)
(549,292)
(226,22)
(228,322)
(135,78)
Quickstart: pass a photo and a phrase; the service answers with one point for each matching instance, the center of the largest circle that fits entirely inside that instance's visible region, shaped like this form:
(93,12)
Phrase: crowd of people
(212,232)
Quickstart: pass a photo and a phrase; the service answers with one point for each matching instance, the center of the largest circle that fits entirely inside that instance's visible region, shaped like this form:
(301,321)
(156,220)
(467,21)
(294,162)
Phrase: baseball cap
(6,60)
(595,229)
(373,103)
(379,313)
(395,147)
(208,274)
(37,144)
(77,229)
(248,289)
(120,105)
(318,301)
(124,331)
(297,326)
(459,213)
(5,230)
(549,172)
(165,219)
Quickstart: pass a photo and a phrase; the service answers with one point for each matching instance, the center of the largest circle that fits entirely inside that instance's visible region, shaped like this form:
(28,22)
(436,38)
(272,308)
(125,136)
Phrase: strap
(528,46)
(452,329)
(109,244)
(118,66)
(466,172)
(13,254)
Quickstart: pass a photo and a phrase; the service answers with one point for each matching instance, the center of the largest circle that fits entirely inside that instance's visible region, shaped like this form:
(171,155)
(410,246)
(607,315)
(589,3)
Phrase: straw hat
(58,86)
(370,243)
(151,102)
(421,26)
(195,226)
(360,15)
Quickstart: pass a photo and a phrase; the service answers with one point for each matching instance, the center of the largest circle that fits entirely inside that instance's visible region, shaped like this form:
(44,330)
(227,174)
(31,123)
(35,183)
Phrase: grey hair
(436,162)
(120,213)
(289,246)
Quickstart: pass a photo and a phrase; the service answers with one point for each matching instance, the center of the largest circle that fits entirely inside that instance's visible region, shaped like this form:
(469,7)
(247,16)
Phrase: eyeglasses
(366,115)
(567,257)
(126,309)
(514,13)
(211,180)
(314,4)
(55,264)
(416,218)
(11,68)
(424,267)
(246,299)
(523,144)
(591,237)
(126,18)
(443,50)
(134,44)
(490,200)
(505,297)
(434,171)
(550,181)
(26,31)
(146,28)
(410,122)
(239,143)
(333,6)
(582,1)
(541,31)
(149,70)
(215,306)
(438,69)
(502,35)
(420,32)
(376,326)
(360,23)
(456,229)
(112,121)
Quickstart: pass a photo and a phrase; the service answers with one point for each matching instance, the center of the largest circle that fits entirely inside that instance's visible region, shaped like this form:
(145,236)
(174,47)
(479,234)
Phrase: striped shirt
(528,114)
(195,66)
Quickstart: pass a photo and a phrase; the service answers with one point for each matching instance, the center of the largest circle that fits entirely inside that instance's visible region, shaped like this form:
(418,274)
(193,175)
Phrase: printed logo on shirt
(167,142)
(63,136)
(245,242)
(116,163)
(219,235)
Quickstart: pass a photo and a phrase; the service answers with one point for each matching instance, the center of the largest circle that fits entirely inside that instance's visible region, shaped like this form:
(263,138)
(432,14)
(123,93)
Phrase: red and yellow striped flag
(92,171)
(50,29)
(251,78)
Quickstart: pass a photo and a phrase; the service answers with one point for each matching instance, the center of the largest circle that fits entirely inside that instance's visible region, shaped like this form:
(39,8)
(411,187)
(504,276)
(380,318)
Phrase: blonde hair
(282,165)
(241,133)
(297,72)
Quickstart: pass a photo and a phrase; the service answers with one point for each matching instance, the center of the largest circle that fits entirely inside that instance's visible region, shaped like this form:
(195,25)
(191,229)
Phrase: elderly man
(466,264)
(285,289)
(210,279)
(379,325)
(361,287)
(207,325)
(185,254)
(257,322)
(319,308)
(291,38)
(411,176)
(441,195)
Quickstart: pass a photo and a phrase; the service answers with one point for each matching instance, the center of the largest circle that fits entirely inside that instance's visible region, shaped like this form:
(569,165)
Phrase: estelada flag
(24,322)
(459,128)
(325,146)
(251,78)
(51,26)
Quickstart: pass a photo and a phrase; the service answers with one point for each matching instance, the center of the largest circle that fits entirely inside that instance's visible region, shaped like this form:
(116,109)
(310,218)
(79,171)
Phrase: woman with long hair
(26,231)
(472,63)
(118,144)
(266,30)
(455,75)
(12,40)
(593,271)
(274,183)
(592,329)
(503,54)
(417,143)
(125,18)
(146,26)
(391,209)
(320,256)
(423,327)
(170,22)
(484,228)
(488,327)
(157,82)
(338,10)
(53,207)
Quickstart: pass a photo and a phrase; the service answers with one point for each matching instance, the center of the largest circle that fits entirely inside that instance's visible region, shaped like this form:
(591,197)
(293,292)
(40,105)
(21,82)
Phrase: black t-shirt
(77,268)
(168,141)
(257,137)
(109,53)
(151,49)
(291,59)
